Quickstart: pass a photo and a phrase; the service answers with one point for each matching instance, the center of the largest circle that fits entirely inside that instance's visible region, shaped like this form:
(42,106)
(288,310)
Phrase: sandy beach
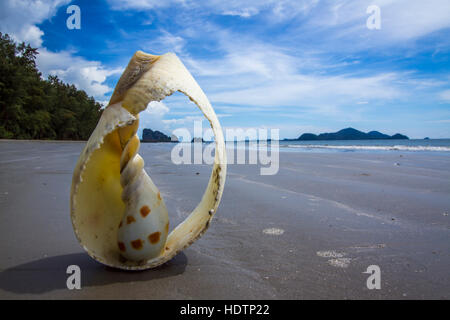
(308,232)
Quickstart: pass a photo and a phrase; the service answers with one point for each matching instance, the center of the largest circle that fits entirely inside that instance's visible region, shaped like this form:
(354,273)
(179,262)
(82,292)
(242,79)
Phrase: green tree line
(34,108)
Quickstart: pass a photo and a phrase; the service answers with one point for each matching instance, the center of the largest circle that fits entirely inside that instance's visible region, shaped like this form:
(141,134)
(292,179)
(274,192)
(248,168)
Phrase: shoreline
(323,146)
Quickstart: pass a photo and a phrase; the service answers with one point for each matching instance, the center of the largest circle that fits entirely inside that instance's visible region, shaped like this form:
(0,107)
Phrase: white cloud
(244,55)
(89,76)
(408,19)
(167,42)
(445,95)
(288,9)
(19,18)
(142,4)
(263,77)
(258,74)
(312,91)
(185,120)
(245,9)
(401,20)
(157,109)
(243,13)
(253,59)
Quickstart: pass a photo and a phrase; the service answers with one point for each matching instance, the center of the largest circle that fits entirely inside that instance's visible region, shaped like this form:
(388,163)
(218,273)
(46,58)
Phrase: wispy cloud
(244,13)
(262,74)
(445,95)
(142,4)
(166,42)
(157,108)
(440,121)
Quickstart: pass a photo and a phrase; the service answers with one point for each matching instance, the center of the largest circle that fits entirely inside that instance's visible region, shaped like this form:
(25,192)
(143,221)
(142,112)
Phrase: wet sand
(308,232)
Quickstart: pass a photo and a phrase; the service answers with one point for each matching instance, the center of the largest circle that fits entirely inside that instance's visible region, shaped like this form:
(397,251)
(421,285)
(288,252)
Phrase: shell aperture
(117,212)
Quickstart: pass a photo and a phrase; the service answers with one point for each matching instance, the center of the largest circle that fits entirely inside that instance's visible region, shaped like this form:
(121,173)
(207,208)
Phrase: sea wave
(375,148)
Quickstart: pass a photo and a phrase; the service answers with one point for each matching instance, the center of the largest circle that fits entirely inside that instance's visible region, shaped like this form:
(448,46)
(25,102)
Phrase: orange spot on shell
(159,196)
(145,210)
(121,246)
(167,227)
(137,244)
(120,224)
(130,219)
(154,237)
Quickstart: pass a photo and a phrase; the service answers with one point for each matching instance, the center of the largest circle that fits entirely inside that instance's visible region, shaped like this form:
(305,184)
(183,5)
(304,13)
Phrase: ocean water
(434,146)
(413,145)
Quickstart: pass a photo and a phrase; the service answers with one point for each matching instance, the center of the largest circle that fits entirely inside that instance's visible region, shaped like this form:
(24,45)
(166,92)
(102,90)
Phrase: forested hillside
(34,108)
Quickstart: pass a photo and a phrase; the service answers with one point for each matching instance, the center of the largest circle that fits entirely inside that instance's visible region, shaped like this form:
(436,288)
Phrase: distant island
(148,135)
(348,134)
(197,139)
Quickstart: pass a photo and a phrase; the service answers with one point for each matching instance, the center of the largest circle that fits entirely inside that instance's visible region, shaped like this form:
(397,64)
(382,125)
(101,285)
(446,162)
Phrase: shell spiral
(143,230)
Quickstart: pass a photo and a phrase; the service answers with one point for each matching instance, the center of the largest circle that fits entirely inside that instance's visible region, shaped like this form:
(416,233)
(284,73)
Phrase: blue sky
(300,66)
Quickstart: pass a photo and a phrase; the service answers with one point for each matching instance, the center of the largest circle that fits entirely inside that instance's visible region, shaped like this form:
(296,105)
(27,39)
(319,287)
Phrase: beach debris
(338,258)
(118,214)
(330,254)
(340,262)
(397,164)
(445,214)
(373,246)
(273,231)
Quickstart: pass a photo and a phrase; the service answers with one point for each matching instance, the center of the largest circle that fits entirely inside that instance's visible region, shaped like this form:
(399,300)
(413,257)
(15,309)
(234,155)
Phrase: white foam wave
(356,147)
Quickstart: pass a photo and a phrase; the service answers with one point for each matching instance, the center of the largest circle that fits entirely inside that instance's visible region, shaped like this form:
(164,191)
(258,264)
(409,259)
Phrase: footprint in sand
(337,260)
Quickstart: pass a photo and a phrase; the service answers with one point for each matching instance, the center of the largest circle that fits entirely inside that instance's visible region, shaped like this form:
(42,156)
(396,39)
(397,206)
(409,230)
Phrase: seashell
(118,214)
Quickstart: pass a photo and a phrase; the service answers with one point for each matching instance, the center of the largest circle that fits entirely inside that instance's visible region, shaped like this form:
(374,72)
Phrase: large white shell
(97,198)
